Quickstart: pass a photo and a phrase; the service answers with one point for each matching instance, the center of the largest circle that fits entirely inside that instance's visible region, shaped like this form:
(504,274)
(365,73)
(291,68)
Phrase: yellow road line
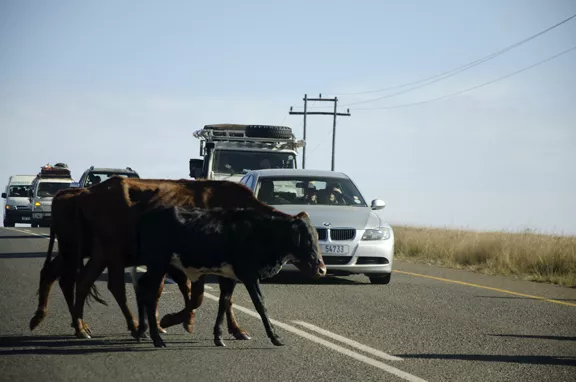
(486,287)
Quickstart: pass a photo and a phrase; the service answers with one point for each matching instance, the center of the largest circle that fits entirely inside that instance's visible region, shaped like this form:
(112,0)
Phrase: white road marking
(328,344)
(31,233)
(357,345)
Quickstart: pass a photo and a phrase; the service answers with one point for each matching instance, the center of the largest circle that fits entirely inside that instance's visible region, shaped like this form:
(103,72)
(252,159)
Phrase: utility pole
(333,113)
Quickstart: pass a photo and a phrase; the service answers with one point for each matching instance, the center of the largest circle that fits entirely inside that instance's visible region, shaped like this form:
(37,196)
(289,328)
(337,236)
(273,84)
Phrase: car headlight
(381,233)
(10,207)
(37,204)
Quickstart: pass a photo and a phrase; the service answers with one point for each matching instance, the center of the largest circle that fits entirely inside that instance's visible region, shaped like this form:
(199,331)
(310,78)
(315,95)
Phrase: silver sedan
(353,238)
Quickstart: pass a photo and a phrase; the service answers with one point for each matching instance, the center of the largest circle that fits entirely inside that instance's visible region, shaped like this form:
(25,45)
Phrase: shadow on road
(283,278)
(22,255)
(522,359)
(557,338)
(23,237)
(65,345)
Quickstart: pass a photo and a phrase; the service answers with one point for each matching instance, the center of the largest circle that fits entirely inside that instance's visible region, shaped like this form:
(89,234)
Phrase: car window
(98,177)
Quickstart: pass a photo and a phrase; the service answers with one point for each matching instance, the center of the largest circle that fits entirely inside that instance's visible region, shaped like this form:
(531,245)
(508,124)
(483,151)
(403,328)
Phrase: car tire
(279,132)
(380,279)
(8,223)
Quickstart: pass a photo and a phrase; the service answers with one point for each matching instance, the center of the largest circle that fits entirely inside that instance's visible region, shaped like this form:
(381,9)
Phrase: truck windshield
(48,189)
(16,191)
(238,162)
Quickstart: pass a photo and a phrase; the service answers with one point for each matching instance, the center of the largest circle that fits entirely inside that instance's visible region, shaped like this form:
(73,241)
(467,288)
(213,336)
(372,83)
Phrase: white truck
(231,150)
(17,208)
(47,183)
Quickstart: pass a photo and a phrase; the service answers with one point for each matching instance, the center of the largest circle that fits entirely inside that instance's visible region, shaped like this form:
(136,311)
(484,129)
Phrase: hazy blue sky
(125,83)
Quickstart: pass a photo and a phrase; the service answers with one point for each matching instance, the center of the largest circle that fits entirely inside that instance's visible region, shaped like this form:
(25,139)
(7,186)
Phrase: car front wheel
(380,278)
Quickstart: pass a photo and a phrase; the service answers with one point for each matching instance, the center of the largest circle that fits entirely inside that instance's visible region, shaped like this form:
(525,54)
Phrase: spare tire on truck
(264,131)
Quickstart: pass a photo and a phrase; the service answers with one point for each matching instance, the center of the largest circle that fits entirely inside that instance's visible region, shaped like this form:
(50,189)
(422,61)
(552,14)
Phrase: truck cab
(229,151)
(95,175)
(44,187)
(17,208)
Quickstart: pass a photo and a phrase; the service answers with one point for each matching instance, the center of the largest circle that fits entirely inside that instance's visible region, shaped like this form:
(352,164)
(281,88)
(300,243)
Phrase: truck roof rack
(54,172)
(236,138)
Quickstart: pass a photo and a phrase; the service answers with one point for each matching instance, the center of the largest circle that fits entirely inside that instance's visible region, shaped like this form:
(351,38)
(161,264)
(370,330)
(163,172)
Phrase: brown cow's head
(307,257)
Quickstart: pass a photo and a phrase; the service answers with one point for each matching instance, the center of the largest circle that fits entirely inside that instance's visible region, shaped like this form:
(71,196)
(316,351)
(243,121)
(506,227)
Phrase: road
(428,324)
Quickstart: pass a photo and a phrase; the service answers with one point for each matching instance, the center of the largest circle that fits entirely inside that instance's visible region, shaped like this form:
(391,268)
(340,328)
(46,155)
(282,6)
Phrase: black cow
(239,244)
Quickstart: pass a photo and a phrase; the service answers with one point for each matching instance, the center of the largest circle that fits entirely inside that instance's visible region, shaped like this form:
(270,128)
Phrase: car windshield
(47,189)
(240,162)
(99,177)
(309,190)
(16,191)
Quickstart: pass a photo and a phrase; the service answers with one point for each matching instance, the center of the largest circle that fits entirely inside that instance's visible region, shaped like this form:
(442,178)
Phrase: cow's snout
(321,269)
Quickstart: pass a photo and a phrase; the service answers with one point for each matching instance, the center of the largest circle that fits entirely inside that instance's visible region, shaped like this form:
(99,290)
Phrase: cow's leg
(117,287)
(86,278)
(148,284)
(186,316)
(253,287)
(135,281)
(48,275)
(226,291)
(66,281)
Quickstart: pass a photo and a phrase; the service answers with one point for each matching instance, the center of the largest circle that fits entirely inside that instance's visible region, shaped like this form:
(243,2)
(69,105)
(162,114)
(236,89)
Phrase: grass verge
(528,256)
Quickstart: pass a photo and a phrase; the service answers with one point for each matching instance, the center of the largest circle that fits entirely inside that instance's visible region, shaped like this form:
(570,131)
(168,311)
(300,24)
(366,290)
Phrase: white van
(18,207)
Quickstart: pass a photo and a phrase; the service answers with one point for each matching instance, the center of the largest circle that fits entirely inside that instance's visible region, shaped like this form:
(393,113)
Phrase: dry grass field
(528,256)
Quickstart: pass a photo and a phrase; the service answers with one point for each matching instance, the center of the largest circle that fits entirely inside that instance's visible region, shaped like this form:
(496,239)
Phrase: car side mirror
(377,204)
(195,166)
(3,195)
(74,185)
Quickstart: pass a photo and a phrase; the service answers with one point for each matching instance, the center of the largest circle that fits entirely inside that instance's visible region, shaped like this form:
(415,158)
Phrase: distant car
(95,175)
(353,238)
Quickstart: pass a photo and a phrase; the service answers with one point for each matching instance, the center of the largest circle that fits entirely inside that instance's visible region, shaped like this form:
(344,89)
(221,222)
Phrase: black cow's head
(306,256)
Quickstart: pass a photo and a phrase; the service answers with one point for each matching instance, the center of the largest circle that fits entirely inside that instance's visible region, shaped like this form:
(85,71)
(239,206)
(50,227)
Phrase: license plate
(48,214)
(334,249)
(25,217)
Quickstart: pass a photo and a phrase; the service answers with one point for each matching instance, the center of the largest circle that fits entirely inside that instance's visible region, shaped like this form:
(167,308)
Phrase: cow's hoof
(188,327)
(87,329)
(241,335)
(159,343)
(276,341)
(219,342)
(36,320)
(82,334)
(162,330)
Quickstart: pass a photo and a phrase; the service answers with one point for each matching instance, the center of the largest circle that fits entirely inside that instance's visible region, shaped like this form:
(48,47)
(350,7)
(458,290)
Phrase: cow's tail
(85,249)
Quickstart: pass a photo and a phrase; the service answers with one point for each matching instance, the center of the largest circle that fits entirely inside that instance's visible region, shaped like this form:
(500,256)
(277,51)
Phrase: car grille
(336,260)
(23,208)
(336,234)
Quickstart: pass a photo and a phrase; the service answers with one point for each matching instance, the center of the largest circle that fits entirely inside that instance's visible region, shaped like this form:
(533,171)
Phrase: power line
(474,87)
(454,71)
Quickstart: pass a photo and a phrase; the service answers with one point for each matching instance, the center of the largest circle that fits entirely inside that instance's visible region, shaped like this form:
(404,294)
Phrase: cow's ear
(295,233)
(302,215)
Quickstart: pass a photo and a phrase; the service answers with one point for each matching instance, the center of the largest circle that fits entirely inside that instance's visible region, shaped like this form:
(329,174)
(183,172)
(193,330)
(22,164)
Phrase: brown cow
(108,215)
(65,229)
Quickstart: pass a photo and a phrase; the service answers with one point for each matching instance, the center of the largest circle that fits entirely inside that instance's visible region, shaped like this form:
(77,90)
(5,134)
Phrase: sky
(126,83)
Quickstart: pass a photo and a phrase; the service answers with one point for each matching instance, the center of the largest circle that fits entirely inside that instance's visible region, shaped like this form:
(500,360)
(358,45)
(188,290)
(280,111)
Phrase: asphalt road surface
(428,324)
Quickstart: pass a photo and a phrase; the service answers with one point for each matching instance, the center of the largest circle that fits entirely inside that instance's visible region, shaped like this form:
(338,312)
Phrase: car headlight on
(381,233)
(10,207)
(37,204)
